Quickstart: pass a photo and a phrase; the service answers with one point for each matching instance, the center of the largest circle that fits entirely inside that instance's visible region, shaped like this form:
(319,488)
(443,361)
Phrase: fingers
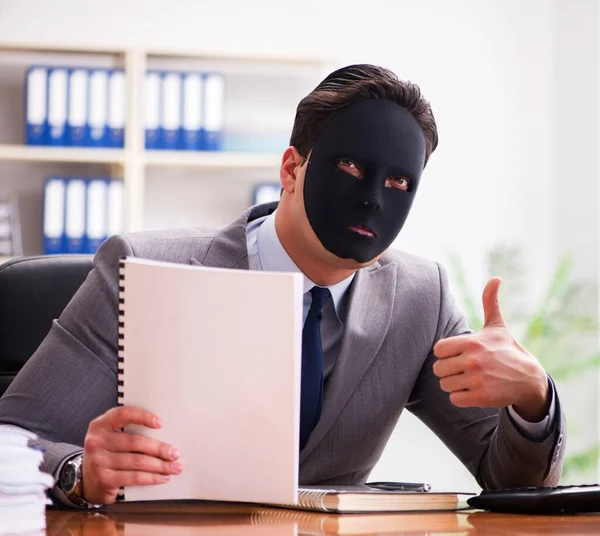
(452,346)
(452,384)
(119,442)
(109,479)
(137,478)
(132,461)
(117,418)
(452,366)
(462,399)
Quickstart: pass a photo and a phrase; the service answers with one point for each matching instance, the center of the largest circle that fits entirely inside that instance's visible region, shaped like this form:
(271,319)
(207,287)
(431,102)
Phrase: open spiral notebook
(216,353)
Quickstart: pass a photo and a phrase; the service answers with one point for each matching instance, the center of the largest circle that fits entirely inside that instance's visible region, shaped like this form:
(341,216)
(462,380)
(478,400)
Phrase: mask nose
(372,195)
(372,203)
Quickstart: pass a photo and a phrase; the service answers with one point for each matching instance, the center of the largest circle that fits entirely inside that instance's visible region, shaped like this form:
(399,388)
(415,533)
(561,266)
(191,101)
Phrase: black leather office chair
(33,292)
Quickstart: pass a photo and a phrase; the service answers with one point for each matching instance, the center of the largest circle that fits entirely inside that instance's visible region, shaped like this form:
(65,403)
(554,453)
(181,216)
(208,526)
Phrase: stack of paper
(22,485)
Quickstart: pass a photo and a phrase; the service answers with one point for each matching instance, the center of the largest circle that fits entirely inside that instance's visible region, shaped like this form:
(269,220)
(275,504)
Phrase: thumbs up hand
(490,368)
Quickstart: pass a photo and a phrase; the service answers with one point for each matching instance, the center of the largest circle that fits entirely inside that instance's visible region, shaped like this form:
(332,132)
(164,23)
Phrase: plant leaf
(465,295)
(582,461)
(567,371)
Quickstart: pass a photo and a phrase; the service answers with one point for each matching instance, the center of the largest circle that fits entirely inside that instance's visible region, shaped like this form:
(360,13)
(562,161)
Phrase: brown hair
(344,86)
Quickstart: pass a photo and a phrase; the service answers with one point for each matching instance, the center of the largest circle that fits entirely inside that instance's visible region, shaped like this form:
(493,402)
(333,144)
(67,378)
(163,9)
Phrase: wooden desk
(240,524)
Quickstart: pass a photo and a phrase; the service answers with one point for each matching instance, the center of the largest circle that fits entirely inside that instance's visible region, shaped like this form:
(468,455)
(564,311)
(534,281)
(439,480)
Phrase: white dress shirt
(266,253)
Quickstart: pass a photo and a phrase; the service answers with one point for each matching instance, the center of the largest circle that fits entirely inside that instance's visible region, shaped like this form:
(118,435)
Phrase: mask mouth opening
(362,230)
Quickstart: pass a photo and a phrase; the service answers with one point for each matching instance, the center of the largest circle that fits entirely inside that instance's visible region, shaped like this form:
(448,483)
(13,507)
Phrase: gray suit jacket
(398,308)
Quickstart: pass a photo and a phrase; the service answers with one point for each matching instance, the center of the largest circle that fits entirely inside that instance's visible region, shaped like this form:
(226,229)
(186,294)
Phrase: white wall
(485,66)
(575,180)
(493,72)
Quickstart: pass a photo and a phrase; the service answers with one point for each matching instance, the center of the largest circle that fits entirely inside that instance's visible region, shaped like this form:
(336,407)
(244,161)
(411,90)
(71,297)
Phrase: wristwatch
(71,482)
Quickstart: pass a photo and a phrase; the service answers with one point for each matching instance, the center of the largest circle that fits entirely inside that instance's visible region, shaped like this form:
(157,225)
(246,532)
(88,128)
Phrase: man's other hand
(490,368)
(113,459)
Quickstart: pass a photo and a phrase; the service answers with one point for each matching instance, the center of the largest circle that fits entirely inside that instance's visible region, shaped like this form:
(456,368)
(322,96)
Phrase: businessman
(381,332)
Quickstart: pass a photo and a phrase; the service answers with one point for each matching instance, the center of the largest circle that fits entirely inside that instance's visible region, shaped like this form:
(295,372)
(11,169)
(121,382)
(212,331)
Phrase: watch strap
(75,493)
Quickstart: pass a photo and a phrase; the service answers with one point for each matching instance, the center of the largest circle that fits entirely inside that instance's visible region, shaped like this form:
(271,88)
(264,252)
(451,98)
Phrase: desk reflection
(491,524)
(104,524)
(273,522)
(258,522)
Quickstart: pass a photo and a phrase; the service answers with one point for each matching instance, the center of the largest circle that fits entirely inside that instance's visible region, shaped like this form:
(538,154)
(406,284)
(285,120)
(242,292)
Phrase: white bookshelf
(29,153)
(65,48)
(134,162)
(211,159)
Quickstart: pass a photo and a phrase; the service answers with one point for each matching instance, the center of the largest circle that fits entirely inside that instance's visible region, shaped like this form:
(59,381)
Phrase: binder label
(98,105)
(192,111)
(36,99)
(171,109)
(77,113)
(116,108)
(152,109)
(75,220)
(57,113)
(215,103)
(54,209)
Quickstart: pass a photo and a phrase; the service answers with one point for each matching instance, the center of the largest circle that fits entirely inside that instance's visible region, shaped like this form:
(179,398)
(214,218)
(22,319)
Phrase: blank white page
(216,353)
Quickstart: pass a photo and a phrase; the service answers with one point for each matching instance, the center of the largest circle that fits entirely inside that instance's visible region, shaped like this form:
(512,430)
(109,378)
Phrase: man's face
(362,177)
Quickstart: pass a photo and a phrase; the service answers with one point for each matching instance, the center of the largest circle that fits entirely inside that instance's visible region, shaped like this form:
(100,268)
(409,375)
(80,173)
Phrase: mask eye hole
(399,183)
(349,166)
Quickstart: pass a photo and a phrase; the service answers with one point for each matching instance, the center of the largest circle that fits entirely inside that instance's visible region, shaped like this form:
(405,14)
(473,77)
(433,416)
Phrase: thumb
(491,307)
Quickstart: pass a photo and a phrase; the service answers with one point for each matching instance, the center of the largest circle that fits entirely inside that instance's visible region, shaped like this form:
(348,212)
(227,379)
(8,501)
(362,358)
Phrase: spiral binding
(121,347)
(309,500)
(312,499)
(121,335)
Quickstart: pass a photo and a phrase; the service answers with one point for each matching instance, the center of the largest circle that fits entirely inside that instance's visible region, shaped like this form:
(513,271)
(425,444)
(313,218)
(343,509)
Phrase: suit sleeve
(485,440)
(72,376)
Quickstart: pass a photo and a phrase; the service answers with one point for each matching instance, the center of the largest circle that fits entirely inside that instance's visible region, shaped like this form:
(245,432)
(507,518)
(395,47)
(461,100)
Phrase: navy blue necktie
(311,398)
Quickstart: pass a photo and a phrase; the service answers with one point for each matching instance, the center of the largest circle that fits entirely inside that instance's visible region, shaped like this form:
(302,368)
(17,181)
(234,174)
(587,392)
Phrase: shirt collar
(274,258)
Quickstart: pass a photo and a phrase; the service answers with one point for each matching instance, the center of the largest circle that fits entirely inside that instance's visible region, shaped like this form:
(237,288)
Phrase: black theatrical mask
(359,218)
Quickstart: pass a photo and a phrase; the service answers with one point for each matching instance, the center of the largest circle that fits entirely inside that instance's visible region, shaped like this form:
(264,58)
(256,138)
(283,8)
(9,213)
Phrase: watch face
(68,478)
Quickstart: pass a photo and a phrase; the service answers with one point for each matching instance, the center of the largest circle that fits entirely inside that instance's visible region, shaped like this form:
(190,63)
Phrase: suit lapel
(228,248)
(369,315)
